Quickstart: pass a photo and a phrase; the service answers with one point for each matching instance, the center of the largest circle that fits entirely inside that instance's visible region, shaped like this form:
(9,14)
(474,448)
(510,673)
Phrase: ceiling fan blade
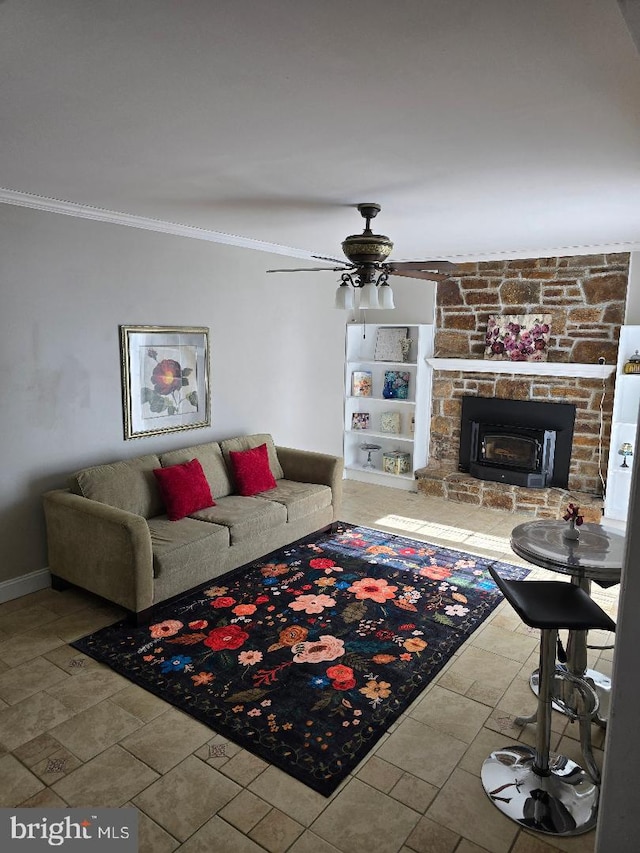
(439,266)
(424,274)
(312,269)
(333,260)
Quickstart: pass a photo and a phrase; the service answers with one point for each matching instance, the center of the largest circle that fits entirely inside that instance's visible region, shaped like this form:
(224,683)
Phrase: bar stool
(546,792)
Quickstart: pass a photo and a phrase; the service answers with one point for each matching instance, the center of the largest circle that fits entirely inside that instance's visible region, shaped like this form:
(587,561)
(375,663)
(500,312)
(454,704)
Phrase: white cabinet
(624,427)
(412,414)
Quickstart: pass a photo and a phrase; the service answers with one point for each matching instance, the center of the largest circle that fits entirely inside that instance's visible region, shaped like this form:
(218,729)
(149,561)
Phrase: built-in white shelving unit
(624,427)
(415,411)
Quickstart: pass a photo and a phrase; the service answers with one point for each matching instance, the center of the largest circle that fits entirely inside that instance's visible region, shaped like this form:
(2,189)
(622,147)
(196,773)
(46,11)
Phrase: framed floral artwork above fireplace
(517,337)
(165,379)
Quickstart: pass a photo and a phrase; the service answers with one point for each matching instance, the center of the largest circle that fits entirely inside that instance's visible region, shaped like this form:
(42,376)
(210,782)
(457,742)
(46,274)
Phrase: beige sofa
(109,534)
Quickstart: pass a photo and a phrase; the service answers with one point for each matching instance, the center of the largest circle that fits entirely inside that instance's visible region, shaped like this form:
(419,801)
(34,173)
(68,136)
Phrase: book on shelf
(360,420)
(389,345)
(396,385)
(361,383)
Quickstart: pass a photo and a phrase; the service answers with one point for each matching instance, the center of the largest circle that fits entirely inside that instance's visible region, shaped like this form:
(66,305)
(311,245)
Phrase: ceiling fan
(368,268)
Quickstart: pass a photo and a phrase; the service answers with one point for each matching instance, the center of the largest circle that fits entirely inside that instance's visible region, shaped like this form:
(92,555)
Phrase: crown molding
(548,252)
(98,214)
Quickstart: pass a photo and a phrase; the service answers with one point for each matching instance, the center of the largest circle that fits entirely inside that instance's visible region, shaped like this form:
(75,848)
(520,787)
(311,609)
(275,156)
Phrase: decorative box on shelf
(390,422)
(396,462)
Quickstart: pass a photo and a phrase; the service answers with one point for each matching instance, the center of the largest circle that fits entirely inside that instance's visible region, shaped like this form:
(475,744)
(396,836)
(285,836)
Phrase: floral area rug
(307,656)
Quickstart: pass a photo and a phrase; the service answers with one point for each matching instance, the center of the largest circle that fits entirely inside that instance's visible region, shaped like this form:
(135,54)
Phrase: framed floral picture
(518,337)
(165,379)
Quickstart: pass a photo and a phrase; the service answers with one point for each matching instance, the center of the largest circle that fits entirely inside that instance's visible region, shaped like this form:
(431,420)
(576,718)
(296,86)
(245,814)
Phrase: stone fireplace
(585,296)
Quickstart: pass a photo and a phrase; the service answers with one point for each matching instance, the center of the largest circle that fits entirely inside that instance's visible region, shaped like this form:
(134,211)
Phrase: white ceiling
(481,126)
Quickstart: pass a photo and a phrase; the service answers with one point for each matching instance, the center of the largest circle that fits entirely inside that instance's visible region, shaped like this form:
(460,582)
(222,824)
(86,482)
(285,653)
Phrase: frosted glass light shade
(344,297)
(385,296)
(369,296)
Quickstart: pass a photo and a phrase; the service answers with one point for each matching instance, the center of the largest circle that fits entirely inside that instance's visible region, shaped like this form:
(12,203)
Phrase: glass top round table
(597,555)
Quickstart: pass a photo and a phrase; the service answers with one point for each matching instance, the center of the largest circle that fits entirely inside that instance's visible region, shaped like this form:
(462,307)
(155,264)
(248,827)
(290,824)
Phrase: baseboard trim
(17,587)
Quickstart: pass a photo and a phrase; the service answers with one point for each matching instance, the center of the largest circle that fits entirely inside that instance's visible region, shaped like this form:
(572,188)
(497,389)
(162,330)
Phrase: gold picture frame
(165,379)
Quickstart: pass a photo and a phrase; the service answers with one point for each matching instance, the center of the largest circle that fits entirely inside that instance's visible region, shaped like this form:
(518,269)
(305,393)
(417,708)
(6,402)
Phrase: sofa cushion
(246,518)
(128,485)
(251,471)
(210,457)
(246,442)
(184,489)
(299,499)
(179,544)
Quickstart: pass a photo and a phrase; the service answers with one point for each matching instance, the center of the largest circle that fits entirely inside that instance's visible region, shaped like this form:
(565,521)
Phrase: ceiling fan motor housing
(367,248)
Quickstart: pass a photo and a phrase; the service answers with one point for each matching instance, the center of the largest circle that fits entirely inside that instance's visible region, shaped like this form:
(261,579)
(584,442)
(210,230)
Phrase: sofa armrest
(307,466)
(100,548)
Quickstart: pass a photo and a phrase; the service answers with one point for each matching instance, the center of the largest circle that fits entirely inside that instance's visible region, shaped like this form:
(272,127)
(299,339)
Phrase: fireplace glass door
(511,454)
(513,451)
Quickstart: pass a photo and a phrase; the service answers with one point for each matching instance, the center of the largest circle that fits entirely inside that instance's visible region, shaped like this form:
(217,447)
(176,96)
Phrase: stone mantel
(522,368)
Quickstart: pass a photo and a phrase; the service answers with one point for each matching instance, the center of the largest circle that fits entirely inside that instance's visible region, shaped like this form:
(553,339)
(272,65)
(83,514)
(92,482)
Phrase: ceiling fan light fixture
(344,297)
(369,296)
(385,296)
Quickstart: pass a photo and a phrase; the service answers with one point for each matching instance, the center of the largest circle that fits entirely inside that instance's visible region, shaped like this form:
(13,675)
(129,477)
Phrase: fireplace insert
(509,454)
(522,442)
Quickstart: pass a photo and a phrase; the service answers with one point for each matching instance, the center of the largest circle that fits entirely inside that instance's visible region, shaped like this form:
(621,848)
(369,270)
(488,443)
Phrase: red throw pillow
(251,470)
(184,489)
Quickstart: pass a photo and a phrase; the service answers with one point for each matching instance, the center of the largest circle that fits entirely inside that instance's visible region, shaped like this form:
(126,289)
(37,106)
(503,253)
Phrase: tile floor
(74,733)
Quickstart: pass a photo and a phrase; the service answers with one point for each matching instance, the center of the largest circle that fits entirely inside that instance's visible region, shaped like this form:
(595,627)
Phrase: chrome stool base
(602,686)
(565,802)
(577,699)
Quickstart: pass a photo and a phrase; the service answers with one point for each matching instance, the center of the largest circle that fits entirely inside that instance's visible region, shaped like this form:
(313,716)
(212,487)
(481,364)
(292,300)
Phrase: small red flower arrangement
(572,514)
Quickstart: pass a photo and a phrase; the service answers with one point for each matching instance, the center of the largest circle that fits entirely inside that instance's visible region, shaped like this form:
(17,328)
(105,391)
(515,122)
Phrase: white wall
(277,350)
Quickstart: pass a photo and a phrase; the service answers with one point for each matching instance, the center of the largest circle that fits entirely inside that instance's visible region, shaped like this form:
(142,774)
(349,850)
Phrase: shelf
(414,412)
(380,472)
(384,400)
(369,433)
(624,427)
(391,364)
(523,368)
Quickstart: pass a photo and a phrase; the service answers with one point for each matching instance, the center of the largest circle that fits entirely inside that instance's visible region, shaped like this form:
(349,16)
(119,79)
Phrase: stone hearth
(585,296)
(542,503)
